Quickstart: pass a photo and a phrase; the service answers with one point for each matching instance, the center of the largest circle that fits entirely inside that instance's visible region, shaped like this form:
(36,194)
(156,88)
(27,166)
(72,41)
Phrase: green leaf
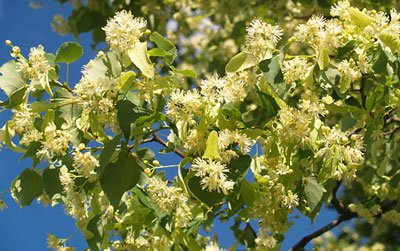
(159,102)
(239,62)
(138,55)
(205,196)
(157,52)
(121,176)
(48,118)
(342,108)
(346,49)
(69,112)
(359,18)
(268,109)
(272,70)
(97,128)
(189,73)
(379,62)
(51,181)
(106,65)
(127,81)
(165,45)
(31,151)
(248,193)
(68,52)
(127,114)
(26,187)
(95,226)
(106,154)
(230,111)
(7,139)
(268,104)
(238,167)
(323,58)
(391,41)
(313,191)
(40,106)
(12,82)
(211,151)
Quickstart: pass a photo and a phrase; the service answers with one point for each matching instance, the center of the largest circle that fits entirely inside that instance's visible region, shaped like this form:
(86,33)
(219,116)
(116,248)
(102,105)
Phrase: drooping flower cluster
(22,123)
(56,142)
(85,164)
(60,25)
(212,246)
(340,153)
(295,69)
(124,30)
(322,34)
(183,105)
(213,175)
(37,67)
(262,37)
(96,95)
(366,213)
(170,199)
(76,202)
(227,137)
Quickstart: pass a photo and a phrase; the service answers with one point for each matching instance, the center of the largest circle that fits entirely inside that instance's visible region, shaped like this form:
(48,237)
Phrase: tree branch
(303,242)
(156,138)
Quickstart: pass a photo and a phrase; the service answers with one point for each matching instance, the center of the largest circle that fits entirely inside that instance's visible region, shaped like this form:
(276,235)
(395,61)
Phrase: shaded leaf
(26,187)
(120,176)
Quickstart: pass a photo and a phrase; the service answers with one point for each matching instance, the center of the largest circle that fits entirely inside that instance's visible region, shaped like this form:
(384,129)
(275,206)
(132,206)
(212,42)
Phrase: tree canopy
(271,107)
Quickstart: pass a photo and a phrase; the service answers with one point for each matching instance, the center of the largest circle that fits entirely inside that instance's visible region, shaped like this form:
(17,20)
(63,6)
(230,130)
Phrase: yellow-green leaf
(127,79)
(239,62)
(360,18)
(323,58)
(138,55)
(391,41)
(7,138)
(212,146)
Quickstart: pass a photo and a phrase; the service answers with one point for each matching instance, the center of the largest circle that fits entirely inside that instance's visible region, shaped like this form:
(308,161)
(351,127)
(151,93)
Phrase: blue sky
(27,228)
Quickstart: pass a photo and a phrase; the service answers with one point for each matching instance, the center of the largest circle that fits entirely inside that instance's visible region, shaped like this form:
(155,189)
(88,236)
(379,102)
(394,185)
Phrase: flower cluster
(366,213)
(170,199)
(227,137)
(96,95)
(262,37)
(22,123)
(124,30)
(56,142)
(38,66)
(213,175)
(84,164)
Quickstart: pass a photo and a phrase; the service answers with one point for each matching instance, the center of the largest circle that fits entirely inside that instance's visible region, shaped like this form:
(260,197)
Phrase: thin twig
(362,87)
(392,131)
(162,142)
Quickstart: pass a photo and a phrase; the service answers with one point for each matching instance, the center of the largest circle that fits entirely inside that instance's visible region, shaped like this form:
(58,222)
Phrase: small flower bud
(156,163)
(145,161)
(353,137)
(81,146)
(8,42)
(147,32)
(147,170)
